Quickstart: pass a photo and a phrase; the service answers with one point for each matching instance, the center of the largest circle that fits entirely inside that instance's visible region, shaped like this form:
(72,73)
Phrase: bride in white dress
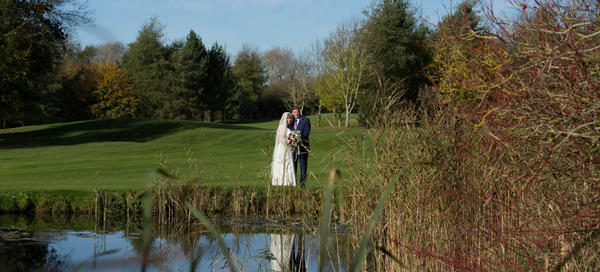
(282,168)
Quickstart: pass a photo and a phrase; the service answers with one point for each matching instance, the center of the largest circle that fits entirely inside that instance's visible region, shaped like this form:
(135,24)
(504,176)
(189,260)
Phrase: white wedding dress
(282,168)
(281,247)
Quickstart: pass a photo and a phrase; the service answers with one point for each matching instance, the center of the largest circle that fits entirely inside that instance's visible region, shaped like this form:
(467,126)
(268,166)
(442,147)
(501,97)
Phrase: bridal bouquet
(293,139)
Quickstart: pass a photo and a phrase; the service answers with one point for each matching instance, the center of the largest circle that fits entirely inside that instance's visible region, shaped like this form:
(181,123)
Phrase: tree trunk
(319,120)
(339,119)
(212,116)
(347,118)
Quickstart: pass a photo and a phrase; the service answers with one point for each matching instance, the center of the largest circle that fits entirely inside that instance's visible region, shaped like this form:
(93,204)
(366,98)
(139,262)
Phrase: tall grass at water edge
(167,202)
(455,211)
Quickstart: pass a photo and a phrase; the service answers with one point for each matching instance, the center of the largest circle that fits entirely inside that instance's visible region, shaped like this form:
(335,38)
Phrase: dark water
(78,243)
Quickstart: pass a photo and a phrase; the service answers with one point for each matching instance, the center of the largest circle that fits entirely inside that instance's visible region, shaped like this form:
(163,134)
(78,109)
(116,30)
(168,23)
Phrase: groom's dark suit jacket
(304,128)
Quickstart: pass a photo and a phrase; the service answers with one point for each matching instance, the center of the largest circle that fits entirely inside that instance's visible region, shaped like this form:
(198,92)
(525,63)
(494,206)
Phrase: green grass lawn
(119,154)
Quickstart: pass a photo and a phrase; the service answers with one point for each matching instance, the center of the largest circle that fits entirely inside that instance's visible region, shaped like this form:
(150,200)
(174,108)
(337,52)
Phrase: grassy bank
(168,201)
(119,154)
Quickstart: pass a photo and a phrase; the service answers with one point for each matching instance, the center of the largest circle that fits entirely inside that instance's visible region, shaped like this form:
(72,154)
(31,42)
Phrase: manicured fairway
(119,154)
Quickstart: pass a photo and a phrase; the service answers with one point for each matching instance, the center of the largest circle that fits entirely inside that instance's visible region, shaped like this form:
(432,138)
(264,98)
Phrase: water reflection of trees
(297,249)
(28,251)
(177,246)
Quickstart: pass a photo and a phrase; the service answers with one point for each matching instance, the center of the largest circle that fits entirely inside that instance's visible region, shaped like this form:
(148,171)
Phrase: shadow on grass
(113,130)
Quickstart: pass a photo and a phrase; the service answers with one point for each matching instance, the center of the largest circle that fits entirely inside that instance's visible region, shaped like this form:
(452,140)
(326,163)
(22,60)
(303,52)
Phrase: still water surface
(68,243)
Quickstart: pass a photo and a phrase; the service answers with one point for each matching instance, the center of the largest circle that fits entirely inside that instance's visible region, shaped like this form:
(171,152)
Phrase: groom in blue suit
(301,123)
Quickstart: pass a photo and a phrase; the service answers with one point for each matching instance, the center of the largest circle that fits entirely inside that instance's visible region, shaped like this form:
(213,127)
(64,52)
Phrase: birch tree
(345,62)
(300,91)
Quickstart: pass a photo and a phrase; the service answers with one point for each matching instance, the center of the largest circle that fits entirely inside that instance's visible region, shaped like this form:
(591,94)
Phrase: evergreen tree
(463,21)
(455,44)
(455,31)
(397,44)
(250,74)
(191,73)
(219,82)
(146,61)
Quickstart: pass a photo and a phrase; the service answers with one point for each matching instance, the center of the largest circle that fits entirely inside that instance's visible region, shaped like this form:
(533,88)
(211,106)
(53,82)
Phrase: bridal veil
(282,168)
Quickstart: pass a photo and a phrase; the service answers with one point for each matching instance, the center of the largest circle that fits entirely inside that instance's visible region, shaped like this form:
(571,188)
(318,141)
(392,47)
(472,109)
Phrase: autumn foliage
(115,95)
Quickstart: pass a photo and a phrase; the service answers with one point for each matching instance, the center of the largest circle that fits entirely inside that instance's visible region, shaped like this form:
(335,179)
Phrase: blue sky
(294,24)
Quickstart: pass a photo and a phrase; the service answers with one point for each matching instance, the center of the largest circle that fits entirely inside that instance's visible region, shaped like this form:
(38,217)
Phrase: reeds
(453,211)
(216,235)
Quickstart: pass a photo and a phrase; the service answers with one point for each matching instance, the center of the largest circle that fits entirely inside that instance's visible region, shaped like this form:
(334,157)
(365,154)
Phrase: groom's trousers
(303,159)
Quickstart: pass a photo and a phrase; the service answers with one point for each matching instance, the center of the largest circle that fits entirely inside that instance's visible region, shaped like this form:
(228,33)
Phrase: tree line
(358,68)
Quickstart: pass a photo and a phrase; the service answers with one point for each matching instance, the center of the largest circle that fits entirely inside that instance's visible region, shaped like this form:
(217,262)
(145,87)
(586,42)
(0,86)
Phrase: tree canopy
(397,44)
(48,77)
(148,65)
(250,73)
(33,35)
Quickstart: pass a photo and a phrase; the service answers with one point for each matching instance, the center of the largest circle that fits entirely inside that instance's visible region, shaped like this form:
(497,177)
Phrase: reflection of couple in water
(291,148)
(289,252)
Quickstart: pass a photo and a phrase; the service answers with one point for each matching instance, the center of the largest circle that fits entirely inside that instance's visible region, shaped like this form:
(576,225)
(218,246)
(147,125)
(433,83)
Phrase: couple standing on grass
(291,147)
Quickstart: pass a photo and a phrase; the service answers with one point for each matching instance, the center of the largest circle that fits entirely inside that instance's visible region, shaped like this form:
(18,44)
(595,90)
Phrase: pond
(70,243)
